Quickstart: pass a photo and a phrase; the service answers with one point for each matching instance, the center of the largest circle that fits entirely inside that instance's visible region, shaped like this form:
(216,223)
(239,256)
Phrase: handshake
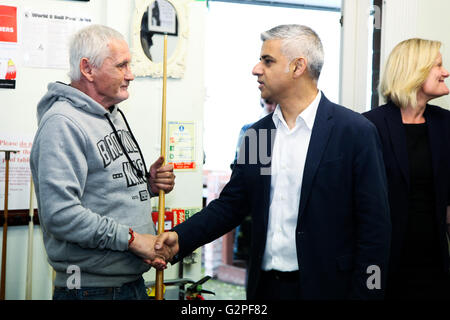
(155,250)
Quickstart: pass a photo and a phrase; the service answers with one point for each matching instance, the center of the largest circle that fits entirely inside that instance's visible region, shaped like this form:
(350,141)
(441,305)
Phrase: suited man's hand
(166,244)
(168,240)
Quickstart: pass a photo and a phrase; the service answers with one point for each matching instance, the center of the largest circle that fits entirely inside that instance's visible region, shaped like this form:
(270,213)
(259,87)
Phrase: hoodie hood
(59,91)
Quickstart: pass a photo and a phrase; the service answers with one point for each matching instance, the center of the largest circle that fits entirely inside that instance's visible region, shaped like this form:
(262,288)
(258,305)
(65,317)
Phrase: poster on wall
(181,153)
(8,47)
(19,171)
(50,48)
(162,18)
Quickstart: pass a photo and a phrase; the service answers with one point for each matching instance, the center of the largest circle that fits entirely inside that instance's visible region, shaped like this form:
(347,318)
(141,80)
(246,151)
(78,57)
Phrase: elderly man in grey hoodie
(92,185)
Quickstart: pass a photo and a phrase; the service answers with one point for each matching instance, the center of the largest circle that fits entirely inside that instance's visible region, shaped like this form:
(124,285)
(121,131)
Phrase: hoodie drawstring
(138,171)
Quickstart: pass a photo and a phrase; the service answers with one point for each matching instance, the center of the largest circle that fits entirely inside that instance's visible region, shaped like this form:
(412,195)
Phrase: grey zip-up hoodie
(88,193)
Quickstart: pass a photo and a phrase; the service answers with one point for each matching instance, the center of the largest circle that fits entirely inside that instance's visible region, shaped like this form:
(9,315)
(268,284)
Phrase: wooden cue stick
(28,291)
(159,294)
(5,224)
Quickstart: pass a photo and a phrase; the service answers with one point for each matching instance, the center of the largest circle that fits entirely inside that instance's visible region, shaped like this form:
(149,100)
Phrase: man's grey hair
(299,40)
(90,42)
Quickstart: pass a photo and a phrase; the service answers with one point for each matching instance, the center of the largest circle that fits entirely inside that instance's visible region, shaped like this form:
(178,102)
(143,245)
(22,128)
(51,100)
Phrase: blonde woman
(416,151)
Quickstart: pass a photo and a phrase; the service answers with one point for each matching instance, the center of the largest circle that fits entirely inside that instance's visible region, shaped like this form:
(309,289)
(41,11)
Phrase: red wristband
(131,232)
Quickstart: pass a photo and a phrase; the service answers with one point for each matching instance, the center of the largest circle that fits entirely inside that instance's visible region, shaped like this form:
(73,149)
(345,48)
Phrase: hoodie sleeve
(60,171)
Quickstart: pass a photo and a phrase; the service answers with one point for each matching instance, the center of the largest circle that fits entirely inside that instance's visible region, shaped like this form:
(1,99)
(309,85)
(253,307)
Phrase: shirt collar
(308,115)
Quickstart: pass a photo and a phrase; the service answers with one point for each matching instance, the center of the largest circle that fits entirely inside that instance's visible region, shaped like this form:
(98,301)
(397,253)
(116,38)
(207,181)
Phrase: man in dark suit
(312,176)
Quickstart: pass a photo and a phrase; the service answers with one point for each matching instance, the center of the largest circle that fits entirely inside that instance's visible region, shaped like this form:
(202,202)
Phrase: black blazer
(388,120)
(343,218)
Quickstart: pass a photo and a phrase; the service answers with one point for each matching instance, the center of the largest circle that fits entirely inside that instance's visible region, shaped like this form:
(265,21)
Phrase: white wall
(354,71)
(184,103)
(433,23)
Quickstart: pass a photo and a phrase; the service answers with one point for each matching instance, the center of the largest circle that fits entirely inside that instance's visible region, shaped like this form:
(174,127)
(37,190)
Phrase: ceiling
(334,4)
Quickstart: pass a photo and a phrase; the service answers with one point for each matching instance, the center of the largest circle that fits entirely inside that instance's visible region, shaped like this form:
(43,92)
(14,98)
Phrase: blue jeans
(129,291)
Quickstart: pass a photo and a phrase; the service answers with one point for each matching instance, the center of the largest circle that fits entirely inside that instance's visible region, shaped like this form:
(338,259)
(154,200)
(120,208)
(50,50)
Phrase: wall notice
(51,48)
(19,171)
(181,153)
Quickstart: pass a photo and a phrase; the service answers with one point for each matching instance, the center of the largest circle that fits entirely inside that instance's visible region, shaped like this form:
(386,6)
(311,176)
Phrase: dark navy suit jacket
(388,120)
(343,218)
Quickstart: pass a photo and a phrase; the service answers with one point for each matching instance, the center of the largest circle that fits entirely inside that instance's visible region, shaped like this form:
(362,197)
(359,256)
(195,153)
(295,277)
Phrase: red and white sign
(8,24)
(183,165)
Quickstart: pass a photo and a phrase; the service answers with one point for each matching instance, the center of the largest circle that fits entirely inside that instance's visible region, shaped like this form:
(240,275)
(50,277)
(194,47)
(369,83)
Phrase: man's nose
(257,69)
(129,75)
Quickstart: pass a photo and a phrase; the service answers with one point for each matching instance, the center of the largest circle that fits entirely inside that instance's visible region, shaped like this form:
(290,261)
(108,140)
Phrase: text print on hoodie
(90,188)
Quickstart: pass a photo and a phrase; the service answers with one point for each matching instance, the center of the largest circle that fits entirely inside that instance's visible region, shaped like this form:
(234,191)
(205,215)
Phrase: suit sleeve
(447,152)
(219,217)
(373,226)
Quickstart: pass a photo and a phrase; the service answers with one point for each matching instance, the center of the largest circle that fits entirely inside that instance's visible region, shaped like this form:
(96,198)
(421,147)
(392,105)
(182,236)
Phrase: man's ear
(299,66)
(86,69)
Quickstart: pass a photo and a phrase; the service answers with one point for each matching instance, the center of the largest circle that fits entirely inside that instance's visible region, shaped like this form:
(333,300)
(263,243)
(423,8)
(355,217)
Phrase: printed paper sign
(51,48)
(162,18)
(181,153)
(19,171)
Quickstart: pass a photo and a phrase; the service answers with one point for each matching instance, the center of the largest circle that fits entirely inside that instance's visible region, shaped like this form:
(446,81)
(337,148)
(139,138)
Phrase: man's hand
(143,246)
(161,177)
(166,242)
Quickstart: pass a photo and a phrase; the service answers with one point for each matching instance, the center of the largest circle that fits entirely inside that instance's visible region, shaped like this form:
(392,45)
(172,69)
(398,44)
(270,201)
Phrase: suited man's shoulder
(265,122)
(348,118)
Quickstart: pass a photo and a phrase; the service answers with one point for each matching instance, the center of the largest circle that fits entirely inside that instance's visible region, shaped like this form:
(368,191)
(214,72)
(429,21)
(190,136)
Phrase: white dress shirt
(288,162)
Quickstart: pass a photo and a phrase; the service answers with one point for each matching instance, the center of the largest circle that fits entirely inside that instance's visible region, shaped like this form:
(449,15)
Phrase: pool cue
(159,294)
(28,291)
(5,223)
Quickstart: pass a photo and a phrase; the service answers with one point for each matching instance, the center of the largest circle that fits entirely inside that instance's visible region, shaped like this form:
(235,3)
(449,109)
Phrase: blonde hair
(407,68)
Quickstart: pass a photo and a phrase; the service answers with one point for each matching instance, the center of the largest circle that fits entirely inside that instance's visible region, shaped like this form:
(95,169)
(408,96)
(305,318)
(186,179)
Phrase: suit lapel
(436,128)
(397,136)
(265,175)
(323,125)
